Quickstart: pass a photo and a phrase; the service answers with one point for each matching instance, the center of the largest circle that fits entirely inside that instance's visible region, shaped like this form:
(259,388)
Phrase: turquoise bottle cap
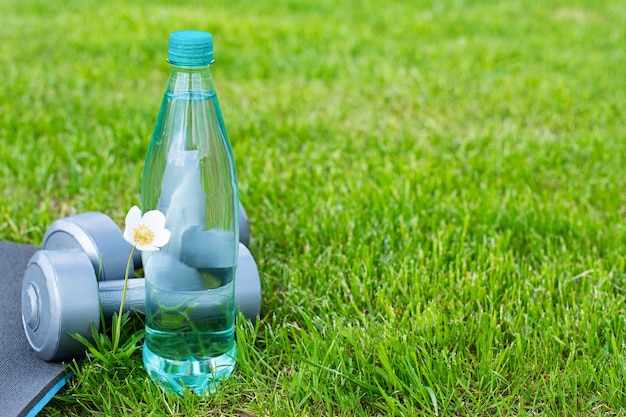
(190,48)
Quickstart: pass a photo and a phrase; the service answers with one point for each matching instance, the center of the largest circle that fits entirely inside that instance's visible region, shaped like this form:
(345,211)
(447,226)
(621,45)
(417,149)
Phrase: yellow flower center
(143,235)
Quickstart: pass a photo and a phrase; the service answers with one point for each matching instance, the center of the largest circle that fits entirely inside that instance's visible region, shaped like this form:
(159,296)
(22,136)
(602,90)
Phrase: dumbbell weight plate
(247,285)
(95,234)
(59,298)
(244,226)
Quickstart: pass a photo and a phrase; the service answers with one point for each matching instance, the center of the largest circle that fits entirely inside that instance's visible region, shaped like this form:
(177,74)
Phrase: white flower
(147,233)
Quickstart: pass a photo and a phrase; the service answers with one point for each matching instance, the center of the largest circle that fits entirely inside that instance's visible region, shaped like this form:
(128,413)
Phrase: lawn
(436,193)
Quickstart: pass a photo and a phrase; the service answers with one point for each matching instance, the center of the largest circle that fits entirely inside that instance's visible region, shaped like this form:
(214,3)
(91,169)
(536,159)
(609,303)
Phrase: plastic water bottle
(189,175)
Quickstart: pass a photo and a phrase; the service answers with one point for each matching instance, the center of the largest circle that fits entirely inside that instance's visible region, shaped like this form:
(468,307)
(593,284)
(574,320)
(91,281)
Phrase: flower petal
(161,237)
(133,218)
(147,248)
(154,219)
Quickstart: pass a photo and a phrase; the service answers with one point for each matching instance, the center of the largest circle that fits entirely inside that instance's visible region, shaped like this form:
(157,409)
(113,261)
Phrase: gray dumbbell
(102,241)
(61,296)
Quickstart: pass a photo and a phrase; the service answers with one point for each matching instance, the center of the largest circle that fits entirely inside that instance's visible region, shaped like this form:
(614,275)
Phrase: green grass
(435,191)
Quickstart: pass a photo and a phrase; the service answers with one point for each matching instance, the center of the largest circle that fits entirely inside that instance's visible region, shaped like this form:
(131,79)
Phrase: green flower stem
(118,324)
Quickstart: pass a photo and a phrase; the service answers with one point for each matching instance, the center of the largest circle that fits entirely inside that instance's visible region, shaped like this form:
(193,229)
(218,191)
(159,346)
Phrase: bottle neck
(190,79)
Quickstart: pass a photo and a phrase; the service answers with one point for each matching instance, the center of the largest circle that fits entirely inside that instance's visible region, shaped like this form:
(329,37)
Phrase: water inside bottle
(190,334)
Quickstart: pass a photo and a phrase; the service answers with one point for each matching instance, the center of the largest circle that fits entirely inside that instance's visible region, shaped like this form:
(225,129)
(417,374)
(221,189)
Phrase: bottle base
(198,376)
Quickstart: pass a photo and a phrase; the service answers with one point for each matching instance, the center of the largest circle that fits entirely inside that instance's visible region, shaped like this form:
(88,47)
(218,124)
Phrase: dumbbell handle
(247,290)
(111,296)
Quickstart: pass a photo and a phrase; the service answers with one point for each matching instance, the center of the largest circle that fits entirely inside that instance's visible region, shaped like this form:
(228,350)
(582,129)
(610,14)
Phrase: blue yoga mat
(27,383)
